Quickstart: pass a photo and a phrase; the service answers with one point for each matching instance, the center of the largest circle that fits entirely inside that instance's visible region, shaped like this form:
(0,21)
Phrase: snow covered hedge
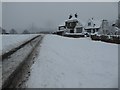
(95,37)
(107,38)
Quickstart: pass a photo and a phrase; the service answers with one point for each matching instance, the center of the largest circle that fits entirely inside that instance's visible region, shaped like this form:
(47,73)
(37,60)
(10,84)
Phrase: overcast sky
(21,15)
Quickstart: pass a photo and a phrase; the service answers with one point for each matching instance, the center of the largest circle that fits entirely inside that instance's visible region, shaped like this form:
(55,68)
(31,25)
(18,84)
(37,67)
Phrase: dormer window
(89,24)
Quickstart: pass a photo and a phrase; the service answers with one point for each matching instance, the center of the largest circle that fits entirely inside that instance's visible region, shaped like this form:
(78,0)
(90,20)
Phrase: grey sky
(21,15)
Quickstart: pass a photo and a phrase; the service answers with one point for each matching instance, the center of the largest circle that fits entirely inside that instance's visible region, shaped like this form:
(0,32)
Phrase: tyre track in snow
(16,67)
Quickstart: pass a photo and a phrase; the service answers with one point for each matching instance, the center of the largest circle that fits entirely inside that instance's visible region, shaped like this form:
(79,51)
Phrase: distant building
(92,26)
(96,26)
(72,25)
(105,27)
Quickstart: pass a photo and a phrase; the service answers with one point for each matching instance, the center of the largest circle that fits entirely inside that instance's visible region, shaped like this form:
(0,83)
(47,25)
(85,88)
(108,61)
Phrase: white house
(71,26)
(92,26)
(97,26)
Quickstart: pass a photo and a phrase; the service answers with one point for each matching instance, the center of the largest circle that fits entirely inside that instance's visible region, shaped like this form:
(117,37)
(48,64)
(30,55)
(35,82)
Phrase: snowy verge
(75,63)
(12,41)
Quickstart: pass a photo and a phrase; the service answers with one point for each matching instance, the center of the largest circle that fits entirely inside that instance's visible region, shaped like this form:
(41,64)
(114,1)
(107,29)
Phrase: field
(11,41)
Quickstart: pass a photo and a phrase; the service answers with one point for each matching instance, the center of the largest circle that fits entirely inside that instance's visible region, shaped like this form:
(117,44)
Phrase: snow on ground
(75,63)
(11,41)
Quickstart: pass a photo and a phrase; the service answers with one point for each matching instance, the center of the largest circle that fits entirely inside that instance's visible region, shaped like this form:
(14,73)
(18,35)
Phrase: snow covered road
(75,63)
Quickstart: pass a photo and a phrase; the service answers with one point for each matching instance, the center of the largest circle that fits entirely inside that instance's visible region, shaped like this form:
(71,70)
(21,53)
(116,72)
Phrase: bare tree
(13,31)
(26,32)
(3,31)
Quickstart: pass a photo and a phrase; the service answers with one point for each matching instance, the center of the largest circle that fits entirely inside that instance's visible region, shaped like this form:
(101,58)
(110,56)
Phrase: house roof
(94,24)
(71,20)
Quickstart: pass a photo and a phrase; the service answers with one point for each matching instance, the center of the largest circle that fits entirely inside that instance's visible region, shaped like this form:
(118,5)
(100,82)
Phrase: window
(89,24)
(79,30)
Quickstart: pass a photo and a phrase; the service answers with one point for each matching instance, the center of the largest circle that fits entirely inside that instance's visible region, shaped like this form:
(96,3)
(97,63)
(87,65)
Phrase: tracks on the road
(16,67)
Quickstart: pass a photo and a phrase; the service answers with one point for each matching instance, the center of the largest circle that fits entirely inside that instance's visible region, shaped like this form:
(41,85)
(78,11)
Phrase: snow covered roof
(94,24)
(97,24)
(73,19)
